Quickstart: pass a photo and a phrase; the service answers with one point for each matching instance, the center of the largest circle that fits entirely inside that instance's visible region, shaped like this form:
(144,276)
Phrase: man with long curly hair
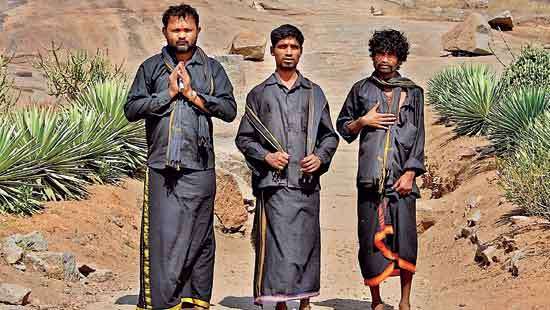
(386,111)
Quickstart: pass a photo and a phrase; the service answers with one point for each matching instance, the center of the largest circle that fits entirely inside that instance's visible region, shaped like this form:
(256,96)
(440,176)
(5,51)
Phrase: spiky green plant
(530,69)
(441,87)
(59,157)
(525,175)
(18,174)
(465,95)
(514,114)
(108,99)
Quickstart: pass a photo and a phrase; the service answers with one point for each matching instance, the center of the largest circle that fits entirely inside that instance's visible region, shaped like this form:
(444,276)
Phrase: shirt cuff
(415,165)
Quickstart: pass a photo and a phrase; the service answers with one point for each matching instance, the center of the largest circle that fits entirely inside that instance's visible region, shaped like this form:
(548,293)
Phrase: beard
(183,47)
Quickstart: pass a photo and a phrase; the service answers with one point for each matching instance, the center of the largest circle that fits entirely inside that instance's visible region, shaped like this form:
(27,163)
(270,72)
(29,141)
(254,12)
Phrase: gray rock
(485,255)
(477,4)
(55,265)
(409,4)
(250,45)
(34,241)
(12,252)
(20,266)
(504,21)
(469,37)
(13,307)
(101,275)
(233,65)
(14,294)
(378,12)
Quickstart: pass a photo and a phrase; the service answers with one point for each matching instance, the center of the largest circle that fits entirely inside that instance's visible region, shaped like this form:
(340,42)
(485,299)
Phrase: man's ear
(199,30)
(164,31)
(271,51)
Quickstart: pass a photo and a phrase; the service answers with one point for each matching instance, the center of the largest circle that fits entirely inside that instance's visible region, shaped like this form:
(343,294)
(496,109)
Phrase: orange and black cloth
(387,220)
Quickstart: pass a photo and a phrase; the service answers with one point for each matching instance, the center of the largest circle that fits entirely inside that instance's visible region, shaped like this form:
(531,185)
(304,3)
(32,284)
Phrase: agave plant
(441,87)
(515,114)
(17,173)
(526,173)
(60,160)
(108,99)
(468,93)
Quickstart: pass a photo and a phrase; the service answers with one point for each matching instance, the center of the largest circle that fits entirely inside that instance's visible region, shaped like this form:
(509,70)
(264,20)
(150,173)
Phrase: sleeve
(221,103)
(415,161)
(248,143)
(141,103)
(327,140)
(348,114)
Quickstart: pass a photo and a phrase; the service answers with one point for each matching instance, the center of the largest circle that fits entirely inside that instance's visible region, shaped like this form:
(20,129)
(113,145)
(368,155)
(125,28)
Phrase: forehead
(385,53)
(180,22)
(288,41)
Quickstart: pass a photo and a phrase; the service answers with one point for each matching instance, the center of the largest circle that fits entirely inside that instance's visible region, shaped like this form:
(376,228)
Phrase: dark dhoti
(387,236)
(177,240)
(287,245)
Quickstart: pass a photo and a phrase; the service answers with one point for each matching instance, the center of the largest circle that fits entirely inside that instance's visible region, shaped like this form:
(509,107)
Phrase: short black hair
(182,10)
(285,31)
(389,41)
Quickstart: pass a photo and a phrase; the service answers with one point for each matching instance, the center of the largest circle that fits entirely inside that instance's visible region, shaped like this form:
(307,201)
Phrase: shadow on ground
(127,300)
(348,304)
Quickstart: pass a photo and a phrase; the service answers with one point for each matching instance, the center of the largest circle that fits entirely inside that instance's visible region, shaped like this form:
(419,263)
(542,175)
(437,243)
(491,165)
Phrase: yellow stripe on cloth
(196,302)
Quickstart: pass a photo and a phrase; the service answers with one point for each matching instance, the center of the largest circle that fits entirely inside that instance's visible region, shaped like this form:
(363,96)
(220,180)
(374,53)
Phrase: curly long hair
(389,41)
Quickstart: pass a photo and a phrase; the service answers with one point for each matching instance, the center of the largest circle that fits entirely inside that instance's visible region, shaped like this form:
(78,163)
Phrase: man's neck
(288,77)
(386,76)
(185,57)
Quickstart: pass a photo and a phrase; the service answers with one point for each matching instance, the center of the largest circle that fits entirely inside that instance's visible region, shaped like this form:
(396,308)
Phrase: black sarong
(287,245)
(387,235)
(177,240)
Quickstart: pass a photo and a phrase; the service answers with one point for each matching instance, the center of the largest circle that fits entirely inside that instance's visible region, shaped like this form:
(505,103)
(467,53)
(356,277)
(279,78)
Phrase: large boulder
(471,36)
(233,65)
(14,294)
(250,45)
(61,266)
(229,206)
(503,21)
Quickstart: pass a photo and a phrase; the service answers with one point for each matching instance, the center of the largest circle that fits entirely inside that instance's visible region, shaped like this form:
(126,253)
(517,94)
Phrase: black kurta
(387,222)
(177,240)
(287,217)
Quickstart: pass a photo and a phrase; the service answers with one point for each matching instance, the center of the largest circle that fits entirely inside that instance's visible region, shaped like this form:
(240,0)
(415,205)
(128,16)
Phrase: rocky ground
(104,230)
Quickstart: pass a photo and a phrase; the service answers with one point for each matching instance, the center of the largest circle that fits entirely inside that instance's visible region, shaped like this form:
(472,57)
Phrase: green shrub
(530,69)
(514,114)
(465,95)
(48,154)
(8,96)
(69,72)
(525,175)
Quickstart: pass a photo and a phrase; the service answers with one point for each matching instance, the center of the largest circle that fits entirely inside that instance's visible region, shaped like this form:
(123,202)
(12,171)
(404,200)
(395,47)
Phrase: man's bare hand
(405,183)
(277,160)
(310,163)
(183,74)
(173,88)
(377,120)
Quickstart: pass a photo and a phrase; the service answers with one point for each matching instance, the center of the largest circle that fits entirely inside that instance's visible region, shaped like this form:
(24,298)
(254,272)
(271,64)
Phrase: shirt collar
(195,59)
(301,81)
